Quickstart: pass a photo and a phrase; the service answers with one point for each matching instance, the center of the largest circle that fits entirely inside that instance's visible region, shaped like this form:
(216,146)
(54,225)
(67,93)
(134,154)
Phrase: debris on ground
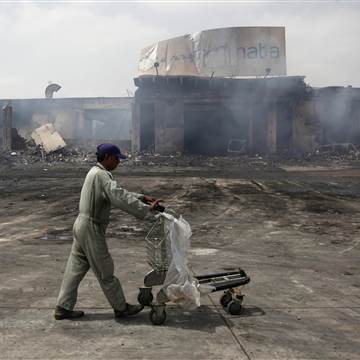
(335,152)
(200,161)
(330,155)
(33,154)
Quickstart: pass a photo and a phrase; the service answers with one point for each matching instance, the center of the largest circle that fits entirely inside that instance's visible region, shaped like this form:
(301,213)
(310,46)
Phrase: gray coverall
(89,249)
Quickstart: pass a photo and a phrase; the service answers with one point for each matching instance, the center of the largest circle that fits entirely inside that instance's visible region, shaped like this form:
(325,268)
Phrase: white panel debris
(48,138)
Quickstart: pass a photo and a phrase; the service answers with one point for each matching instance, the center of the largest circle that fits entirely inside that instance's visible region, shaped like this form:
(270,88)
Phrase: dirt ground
(294,228)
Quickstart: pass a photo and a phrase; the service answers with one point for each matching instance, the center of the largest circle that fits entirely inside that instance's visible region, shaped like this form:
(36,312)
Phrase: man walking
(89,249)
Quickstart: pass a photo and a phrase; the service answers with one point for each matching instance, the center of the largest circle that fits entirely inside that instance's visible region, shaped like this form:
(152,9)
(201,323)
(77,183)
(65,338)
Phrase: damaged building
(81,121)
(212,116)
(215,92)
(226,90)
(197,115)
(215,116)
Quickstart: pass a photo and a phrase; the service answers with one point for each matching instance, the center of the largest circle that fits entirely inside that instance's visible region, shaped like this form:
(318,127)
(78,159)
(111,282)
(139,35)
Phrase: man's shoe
(61,313)
(129,311)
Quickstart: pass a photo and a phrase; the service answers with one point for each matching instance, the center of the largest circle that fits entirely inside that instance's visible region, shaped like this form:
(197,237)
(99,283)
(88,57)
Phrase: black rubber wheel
(157,318)
(225,298)
(145,298)
(234,307)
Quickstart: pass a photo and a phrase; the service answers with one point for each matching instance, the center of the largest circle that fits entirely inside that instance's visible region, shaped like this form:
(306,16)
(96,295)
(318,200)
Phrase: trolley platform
(159,257)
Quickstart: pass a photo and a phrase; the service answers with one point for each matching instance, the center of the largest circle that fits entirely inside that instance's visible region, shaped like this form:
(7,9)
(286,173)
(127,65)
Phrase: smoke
(338,112)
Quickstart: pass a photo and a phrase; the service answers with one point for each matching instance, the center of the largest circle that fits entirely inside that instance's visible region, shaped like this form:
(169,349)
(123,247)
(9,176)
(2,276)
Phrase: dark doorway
(259,129)
(284,126)
(355,122)
(147,127)
(338,117)
(208,128)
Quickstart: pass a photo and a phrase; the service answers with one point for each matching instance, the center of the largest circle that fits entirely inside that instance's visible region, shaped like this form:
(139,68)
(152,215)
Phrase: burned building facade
(197,115)
(212,116)
(215,116)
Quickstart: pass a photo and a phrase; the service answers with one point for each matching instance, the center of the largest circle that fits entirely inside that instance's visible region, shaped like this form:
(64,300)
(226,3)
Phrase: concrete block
(47,137)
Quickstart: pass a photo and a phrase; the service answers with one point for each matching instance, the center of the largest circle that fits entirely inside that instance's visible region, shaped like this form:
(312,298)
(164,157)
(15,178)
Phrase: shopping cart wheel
(145,296)
(158,315)
(226,298)
(234,307)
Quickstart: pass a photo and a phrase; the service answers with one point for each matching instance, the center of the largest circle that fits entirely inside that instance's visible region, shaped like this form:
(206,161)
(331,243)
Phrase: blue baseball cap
(110,149)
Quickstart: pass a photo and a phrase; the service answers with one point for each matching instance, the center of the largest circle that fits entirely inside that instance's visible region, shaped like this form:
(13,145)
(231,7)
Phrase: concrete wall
(135,128)
(307,130)
(169,127)
(271,129)
(81,119)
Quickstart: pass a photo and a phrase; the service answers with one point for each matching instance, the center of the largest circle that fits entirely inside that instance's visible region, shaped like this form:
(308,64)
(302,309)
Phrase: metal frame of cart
(158,249)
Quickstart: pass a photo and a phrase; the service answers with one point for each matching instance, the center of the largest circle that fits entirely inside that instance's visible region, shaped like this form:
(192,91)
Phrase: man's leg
(76,268)
(102,265)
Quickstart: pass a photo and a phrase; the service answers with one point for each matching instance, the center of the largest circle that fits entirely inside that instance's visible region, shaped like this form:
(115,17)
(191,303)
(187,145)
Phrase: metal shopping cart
(159,257)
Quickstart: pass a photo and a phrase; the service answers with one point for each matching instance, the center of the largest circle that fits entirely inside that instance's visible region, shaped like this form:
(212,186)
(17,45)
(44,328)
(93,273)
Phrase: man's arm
(127,201)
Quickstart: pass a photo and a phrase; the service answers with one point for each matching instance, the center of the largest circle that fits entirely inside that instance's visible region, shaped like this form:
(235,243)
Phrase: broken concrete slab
(48,138)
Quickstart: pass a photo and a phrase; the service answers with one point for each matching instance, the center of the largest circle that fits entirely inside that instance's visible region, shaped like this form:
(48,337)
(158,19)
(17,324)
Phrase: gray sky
(92,49)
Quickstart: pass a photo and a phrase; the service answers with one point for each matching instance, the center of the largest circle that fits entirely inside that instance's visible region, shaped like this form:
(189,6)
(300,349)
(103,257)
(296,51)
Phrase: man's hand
(155,205)
(148,199)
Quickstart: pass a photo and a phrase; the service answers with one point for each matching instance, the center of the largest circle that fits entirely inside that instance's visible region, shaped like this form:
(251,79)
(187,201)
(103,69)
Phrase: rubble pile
(45,145)
(331,153)
(218,162)
(336,152)
(34,154)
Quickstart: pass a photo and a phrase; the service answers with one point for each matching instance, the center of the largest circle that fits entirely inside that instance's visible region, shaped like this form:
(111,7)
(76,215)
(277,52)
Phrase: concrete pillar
(250,129)
(135,127)
(271,129)
(7,126)
(169,126)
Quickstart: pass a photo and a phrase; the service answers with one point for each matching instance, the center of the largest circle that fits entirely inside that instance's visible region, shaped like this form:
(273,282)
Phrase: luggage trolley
(158,250)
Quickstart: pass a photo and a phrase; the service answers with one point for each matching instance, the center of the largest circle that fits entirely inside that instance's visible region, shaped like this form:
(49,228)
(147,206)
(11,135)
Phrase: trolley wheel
(145,296)
(157,317)
(234,307)
(226,298)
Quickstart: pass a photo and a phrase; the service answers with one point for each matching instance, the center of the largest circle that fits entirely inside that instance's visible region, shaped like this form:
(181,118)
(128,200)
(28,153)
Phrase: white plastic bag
(179,285)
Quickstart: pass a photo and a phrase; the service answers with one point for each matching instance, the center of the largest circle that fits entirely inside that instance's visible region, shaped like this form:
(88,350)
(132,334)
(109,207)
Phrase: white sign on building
(238,51)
